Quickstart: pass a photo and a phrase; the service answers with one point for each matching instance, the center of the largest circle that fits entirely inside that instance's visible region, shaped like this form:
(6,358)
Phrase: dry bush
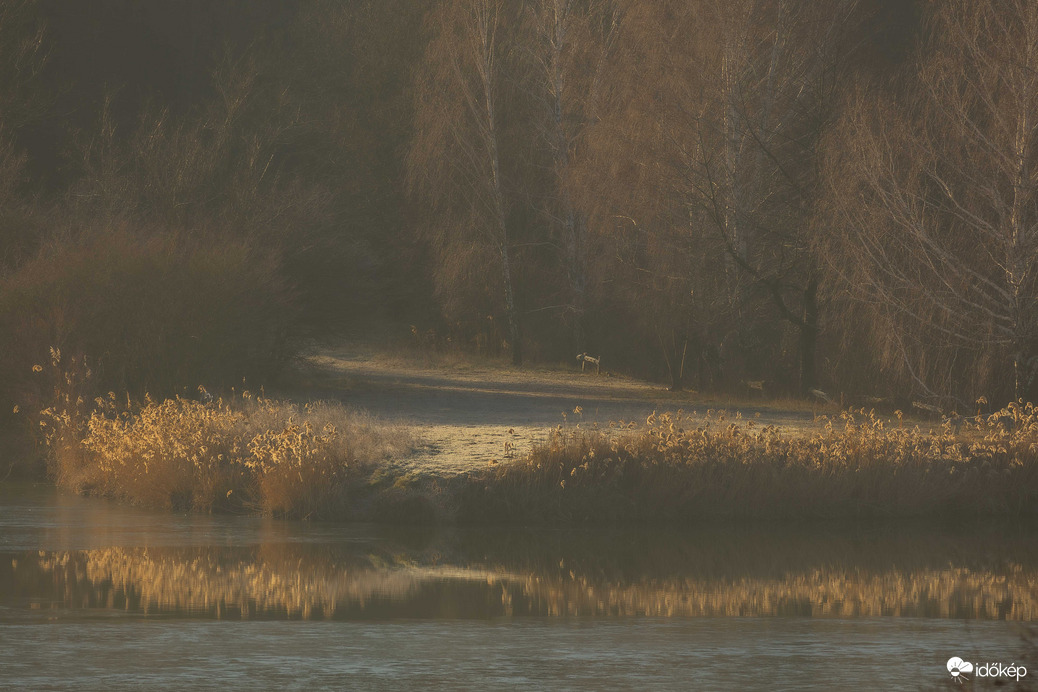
(680,468)
(251,454)
(154,313)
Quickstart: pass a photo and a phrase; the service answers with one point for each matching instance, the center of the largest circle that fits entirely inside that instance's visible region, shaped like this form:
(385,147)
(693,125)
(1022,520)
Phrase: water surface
(101,596)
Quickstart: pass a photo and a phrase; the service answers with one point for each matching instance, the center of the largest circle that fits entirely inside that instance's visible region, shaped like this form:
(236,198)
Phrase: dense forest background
(836,195)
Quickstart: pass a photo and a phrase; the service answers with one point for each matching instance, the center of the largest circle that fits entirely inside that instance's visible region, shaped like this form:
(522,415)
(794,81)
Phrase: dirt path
(472,413)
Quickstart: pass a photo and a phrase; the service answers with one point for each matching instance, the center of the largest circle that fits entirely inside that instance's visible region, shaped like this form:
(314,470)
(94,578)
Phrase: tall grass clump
(252,455)
(678,468)
(152,312)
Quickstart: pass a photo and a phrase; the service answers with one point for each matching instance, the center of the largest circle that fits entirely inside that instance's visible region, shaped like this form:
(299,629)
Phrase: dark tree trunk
(809,337)
(514,327)
(517,347)
(674,353)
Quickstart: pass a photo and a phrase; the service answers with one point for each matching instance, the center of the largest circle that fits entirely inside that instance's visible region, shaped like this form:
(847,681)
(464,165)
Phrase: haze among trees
(839,195)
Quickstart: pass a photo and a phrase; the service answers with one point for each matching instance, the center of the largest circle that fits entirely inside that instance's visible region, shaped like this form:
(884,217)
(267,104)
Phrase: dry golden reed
(251,454)
(678,467)
(322,461)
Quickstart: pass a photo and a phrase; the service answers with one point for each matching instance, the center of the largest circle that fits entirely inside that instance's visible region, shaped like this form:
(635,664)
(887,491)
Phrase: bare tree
(22,57)
(936,198)
(455,158)
(715,110)
(568,45)
(220,166)
(777,69)
(647,266)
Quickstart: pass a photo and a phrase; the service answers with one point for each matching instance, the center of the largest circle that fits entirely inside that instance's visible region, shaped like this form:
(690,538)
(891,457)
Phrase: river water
(99,596)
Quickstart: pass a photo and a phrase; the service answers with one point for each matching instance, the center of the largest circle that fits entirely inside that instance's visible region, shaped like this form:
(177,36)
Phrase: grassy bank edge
(322,461)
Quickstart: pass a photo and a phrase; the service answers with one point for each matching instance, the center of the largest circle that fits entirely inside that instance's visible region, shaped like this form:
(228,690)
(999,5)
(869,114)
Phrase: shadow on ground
(474,414)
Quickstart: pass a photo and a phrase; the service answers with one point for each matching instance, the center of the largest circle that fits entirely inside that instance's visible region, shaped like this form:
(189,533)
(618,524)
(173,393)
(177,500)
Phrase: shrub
(152,313)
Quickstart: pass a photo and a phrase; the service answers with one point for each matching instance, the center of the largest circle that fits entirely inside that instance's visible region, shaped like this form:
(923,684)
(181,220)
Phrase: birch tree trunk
(456,151)
(571,41)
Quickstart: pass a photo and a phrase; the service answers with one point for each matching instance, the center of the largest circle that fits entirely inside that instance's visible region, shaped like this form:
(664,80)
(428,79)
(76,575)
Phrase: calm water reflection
(77,557)
(83,565)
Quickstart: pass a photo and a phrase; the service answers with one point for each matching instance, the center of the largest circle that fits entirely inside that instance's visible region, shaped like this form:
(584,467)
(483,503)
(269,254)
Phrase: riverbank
(579,450)
(679,469)
(471,412)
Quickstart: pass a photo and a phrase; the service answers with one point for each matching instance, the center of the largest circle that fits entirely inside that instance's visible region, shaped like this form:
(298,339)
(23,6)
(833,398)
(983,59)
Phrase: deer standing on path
(584,359)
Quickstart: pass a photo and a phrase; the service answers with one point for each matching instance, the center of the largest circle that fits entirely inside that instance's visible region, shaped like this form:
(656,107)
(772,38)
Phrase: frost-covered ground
(468,412)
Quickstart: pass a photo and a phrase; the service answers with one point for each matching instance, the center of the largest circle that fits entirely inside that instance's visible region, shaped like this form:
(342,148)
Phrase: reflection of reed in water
(221,583)
(951,593)
(311,582)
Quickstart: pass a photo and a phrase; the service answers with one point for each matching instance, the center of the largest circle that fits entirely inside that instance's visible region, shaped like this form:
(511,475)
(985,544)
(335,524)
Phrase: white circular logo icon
(956,666)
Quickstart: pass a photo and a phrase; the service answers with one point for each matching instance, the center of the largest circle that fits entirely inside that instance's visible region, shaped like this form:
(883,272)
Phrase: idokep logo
(960,670)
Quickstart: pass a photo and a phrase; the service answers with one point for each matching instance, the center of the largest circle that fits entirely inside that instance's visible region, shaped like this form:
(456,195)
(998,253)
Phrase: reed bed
(245,454)
(322,461)
(677,468)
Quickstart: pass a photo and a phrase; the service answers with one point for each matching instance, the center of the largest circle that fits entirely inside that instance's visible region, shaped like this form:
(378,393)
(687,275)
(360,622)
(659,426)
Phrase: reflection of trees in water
(620,574)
